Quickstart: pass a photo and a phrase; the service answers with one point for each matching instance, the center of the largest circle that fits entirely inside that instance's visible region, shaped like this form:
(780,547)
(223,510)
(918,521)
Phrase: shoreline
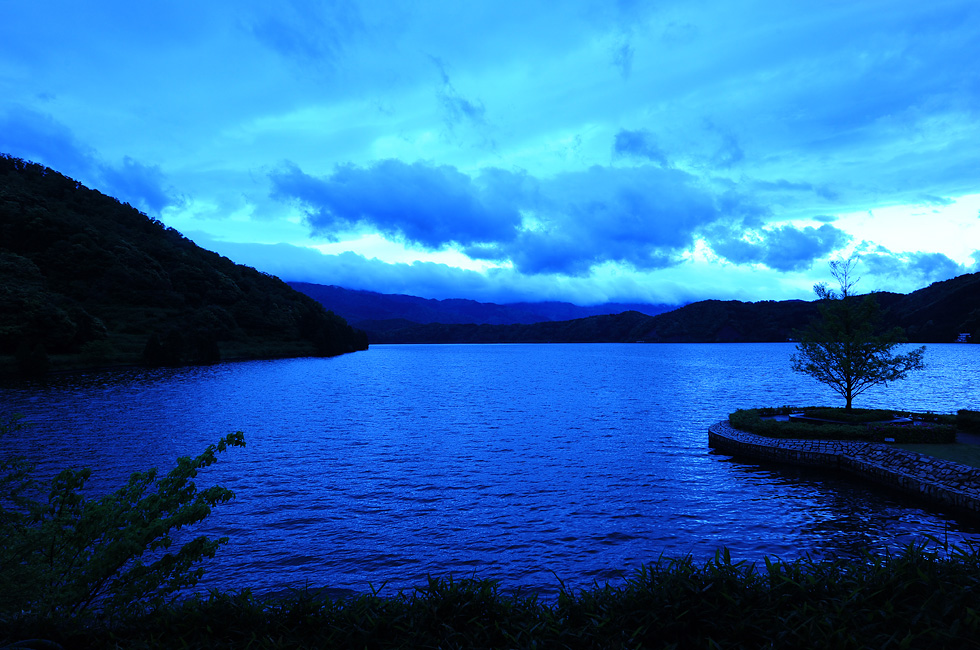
(8,370)
(942,482)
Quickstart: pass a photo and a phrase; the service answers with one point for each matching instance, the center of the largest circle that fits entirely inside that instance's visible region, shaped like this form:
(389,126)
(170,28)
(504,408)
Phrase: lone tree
(842,348)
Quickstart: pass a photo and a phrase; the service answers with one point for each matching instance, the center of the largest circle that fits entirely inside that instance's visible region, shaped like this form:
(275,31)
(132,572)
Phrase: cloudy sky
(575,150)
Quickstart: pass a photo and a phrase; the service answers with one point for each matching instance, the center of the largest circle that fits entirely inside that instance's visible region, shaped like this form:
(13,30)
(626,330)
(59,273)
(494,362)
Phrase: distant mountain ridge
(935,314)
(369,308)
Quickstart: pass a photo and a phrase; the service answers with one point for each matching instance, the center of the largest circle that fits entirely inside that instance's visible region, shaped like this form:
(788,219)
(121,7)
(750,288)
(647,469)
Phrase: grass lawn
(958,452)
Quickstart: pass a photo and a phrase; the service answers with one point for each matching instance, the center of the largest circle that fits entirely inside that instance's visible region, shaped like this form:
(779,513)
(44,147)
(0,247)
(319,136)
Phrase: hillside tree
(843,347)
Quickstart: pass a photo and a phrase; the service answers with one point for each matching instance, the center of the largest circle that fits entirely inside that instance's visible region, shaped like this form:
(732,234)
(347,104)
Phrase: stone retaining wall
(942,481)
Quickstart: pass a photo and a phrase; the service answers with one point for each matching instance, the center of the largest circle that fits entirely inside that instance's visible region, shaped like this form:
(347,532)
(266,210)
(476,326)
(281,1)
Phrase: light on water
(526,463)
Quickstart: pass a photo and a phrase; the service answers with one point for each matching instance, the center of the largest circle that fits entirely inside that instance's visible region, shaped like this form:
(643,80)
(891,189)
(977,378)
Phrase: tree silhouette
(842,348)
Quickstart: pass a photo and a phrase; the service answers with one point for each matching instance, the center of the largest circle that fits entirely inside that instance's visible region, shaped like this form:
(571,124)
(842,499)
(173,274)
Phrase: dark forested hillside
(86,280)
(711,321)
(935,314)
(716,321)
(941,311)
(628,326)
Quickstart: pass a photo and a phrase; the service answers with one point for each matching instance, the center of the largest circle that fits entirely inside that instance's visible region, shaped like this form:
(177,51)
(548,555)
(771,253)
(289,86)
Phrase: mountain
(86,280)
(372,310)
(711,321)
(628,326)
(935,314)
(941,311)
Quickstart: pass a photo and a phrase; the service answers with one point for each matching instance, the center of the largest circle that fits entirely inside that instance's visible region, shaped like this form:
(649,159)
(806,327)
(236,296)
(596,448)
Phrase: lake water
(525,463)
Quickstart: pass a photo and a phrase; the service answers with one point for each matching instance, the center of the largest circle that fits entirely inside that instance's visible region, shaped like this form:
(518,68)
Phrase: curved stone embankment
(941,481)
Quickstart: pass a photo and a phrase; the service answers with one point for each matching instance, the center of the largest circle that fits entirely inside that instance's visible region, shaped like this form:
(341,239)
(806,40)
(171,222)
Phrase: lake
(525,463)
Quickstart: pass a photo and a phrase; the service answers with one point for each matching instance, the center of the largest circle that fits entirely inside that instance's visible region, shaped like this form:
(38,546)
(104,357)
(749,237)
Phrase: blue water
(525,463)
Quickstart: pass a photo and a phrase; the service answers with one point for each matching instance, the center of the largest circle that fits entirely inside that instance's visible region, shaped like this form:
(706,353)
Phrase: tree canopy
(843,347)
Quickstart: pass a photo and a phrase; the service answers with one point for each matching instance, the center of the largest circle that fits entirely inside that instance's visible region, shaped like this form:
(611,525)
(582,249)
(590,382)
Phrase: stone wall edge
(915,474)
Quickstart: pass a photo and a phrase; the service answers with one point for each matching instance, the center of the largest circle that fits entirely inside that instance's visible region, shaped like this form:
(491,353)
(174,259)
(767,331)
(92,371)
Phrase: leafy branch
(70,555)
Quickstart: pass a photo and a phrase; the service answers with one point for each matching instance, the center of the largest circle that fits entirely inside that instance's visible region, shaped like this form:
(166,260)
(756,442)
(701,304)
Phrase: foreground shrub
(968,420)
(913,599)
(68,556)
(852,416)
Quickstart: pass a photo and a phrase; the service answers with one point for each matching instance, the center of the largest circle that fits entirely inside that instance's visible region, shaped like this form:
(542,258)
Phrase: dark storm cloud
(38,137)
(786,248)
(921,267)
(645,217)
(427,205)
(641,216)
(638,144)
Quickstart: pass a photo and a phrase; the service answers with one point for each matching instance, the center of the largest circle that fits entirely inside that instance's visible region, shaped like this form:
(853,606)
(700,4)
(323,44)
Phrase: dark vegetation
(913,599)
(935,314)
(843,424)
(65,554)
(968,420)
(852,415)
(88,281)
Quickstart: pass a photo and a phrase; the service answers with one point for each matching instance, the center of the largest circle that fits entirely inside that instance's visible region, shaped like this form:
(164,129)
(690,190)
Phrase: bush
(852,416)
(759,421)
(65,555)
(968,420)
(912,599)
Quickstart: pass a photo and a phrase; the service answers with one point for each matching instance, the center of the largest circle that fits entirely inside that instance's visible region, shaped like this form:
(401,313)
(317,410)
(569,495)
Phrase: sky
(576,150)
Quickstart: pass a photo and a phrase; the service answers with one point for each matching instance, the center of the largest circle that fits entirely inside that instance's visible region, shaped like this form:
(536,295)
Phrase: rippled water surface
(526,463)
